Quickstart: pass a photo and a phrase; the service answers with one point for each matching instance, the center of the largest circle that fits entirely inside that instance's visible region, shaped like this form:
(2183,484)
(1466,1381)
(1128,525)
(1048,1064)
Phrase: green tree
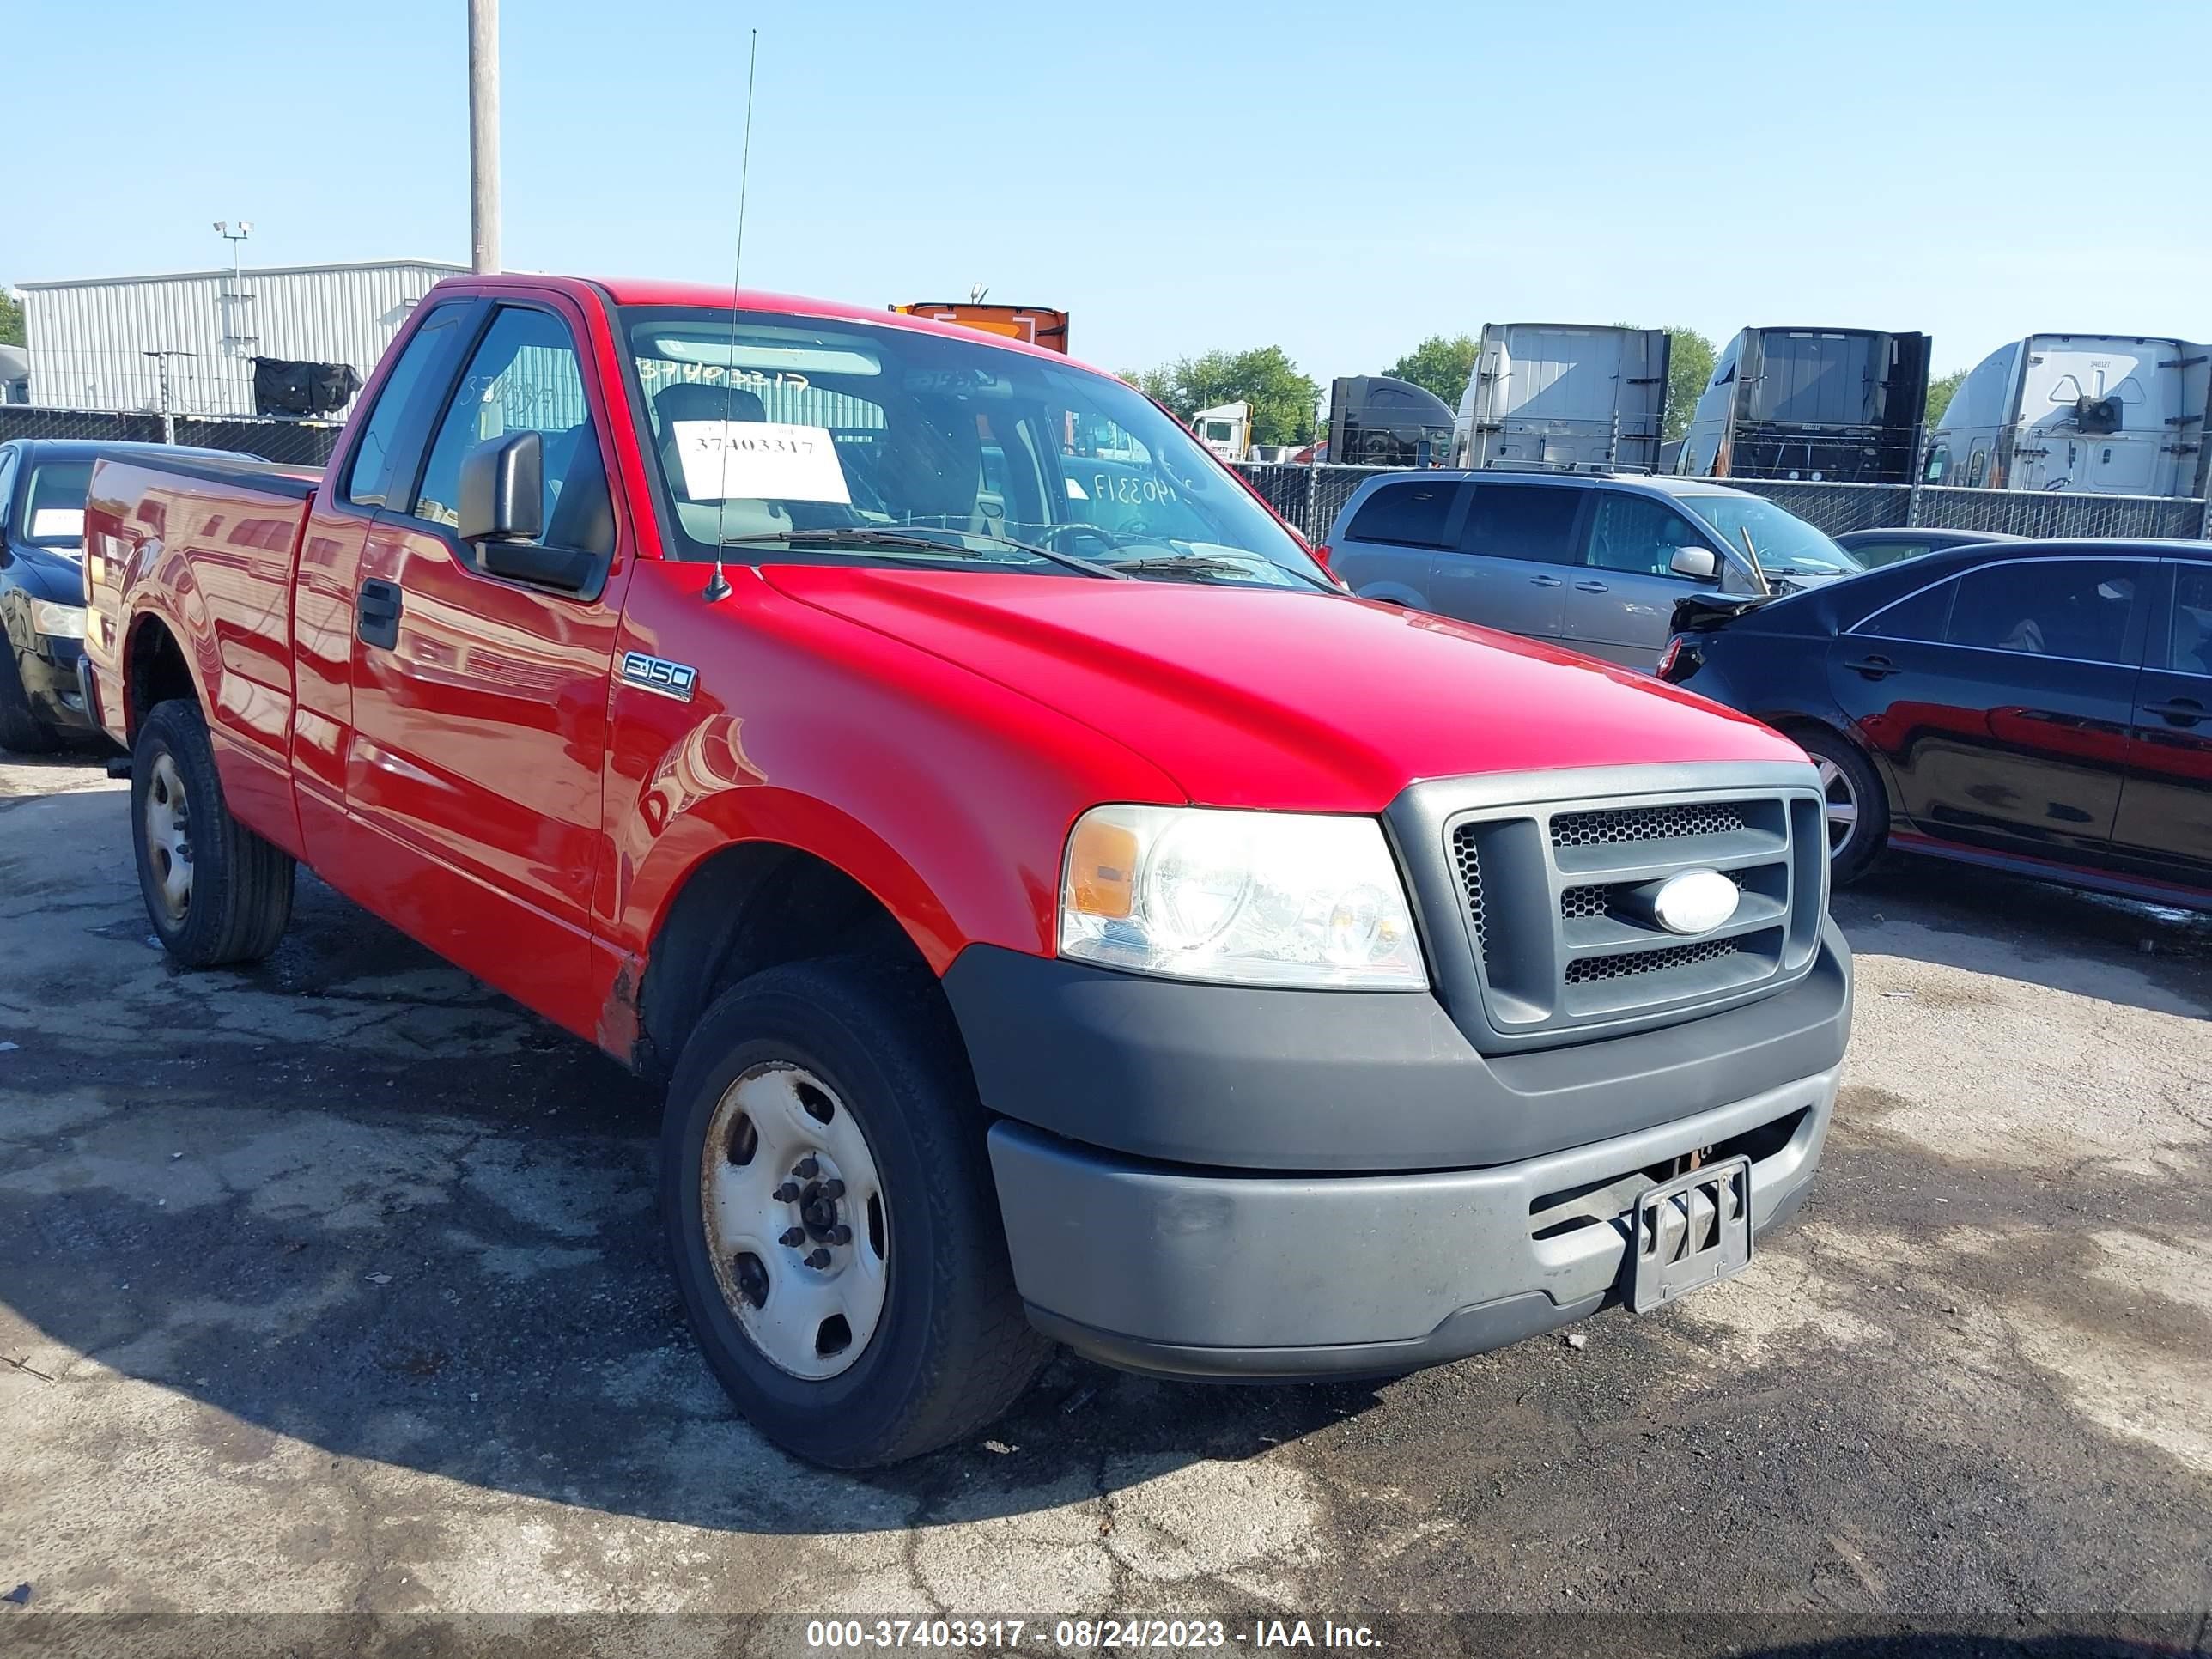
(1282,398)
(1940,393)
(1442,363)
(11,318)
(1156,383)
(1689,367)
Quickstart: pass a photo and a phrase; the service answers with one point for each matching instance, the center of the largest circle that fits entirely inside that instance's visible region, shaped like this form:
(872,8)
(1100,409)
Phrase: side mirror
(1699,564)
(503,490)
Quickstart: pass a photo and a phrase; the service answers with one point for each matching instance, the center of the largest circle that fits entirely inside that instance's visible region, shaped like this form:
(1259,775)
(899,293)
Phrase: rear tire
(20,728)
(1857,810)
(216,892)
(905,1333)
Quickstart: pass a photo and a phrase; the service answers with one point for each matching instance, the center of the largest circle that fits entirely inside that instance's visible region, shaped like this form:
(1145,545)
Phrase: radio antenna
(718,588)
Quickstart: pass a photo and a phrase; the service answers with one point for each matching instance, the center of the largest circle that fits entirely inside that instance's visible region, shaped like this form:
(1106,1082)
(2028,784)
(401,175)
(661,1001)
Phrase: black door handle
(1873,668)
(377,614)
(2182,711)
(1592,588)
(1544,582)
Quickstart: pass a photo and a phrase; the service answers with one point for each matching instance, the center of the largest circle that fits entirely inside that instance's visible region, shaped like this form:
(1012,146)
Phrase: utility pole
(483,134)
(162,366)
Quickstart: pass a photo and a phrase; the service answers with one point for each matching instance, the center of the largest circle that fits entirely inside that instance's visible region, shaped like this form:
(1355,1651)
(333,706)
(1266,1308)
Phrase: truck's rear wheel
(831,1219)
(215,891)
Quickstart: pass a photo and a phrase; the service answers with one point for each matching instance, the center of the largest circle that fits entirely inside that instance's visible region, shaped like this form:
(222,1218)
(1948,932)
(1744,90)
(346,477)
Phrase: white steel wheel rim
(796,1222)
(1840,803)
(168,837)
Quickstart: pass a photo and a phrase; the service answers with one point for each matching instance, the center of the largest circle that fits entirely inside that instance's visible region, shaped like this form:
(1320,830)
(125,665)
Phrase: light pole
(483,135)
(237,241)
(236,342)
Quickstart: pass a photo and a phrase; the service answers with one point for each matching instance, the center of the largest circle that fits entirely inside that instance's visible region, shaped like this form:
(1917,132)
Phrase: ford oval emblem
(1694,902)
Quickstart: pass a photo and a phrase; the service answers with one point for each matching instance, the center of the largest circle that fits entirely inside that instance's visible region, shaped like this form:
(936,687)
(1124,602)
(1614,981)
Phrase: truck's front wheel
(832,1222)
(216,892)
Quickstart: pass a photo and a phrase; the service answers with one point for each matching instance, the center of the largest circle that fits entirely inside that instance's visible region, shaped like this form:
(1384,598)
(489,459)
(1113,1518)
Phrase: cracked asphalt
(332,1286)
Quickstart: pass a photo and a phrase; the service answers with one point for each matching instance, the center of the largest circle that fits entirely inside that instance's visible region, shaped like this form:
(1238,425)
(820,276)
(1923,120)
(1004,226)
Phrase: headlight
(1241,898)
(57,622)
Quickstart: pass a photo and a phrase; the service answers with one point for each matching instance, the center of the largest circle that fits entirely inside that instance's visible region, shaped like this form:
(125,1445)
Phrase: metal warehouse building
(186,343)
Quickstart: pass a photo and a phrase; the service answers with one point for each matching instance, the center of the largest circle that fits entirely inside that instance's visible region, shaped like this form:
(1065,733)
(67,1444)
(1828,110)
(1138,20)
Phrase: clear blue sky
(1338,179)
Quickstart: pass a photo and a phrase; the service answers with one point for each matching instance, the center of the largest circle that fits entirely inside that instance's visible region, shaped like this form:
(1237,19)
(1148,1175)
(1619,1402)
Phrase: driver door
(480,703)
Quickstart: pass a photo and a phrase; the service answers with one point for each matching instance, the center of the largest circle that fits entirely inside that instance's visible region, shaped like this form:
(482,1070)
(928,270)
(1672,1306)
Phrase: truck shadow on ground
(354,1201)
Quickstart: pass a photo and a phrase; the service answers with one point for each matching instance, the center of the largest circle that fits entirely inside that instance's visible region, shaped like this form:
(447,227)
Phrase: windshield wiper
(1206,564)
(866,536)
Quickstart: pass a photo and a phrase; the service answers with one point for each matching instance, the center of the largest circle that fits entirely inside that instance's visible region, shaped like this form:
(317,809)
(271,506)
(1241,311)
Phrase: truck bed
(194,548)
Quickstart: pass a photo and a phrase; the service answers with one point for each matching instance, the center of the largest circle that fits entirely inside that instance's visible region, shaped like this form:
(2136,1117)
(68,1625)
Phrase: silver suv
(1592,560)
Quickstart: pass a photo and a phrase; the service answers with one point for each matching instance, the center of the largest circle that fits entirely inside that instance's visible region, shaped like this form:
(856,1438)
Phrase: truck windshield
(1786,545)
(767,426)
(54,507)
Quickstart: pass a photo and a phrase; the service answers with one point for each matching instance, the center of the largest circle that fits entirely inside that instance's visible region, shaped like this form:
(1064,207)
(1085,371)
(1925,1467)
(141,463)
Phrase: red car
(1058,910)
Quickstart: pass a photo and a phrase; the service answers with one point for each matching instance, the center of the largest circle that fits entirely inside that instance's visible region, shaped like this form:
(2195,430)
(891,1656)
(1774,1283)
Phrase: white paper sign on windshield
(51,523)
(759,460)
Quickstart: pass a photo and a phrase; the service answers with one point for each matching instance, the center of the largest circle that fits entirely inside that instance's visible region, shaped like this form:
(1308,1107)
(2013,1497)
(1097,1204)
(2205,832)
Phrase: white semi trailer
(2097,414)
(1566,393)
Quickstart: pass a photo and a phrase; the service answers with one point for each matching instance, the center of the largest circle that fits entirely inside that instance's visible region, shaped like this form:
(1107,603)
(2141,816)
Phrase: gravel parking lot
(334,1287)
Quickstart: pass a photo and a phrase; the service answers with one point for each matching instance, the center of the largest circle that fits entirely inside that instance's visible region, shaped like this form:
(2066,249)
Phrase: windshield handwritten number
(1131,492)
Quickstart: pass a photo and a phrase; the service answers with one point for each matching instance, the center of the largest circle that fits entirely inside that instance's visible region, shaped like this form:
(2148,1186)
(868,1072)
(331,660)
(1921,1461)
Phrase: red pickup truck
(1058,910)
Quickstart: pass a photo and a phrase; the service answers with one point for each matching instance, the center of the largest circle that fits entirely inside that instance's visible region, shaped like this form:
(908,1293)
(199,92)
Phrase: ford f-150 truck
(1058,910)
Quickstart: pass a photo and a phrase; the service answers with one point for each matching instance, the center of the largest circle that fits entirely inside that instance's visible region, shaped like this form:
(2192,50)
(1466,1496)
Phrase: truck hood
(1293,701)
(50,572)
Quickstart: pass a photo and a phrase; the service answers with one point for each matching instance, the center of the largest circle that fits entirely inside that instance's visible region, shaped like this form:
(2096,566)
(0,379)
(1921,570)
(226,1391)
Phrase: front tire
(831,1219)
(1857,810)
(216,892)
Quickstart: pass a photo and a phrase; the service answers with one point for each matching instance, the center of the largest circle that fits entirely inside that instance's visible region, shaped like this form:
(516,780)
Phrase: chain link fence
(1311,497)
(1308,497)
(295,443)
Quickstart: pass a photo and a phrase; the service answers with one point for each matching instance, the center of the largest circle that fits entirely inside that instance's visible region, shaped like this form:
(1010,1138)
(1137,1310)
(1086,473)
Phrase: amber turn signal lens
(1102,869)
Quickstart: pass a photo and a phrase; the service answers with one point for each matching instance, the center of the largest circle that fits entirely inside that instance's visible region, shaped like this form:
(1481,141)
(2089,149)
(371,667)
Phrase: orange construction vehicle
(1035,325)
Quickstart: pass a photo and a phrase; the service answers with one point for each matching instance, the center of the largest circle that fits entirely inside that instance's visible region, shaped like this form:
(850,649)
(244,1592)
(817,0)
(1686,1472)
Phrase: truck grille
(1470,881)
(1585,969)
(1558,898)
(1609,896)
(1619,824)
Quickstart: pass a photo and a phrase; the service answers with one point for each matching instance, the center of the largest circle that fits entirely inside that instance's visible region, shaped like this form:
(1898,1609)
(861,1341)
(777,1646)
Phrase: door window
(1638,536)
(1405,515)
(2077,609)
(1922,617)
(523,377)
(367,475)
(1534,522)
(2189,637)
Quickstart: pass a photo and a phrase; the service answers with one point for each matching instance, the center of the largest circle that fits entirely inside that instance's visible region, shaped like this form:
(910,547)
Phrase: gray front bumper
(1188,1273)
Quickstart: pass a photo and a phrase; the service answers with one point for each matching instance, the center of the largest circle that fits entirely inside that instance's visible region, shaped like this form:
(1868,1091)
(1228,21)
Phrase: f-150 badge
(658,675)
